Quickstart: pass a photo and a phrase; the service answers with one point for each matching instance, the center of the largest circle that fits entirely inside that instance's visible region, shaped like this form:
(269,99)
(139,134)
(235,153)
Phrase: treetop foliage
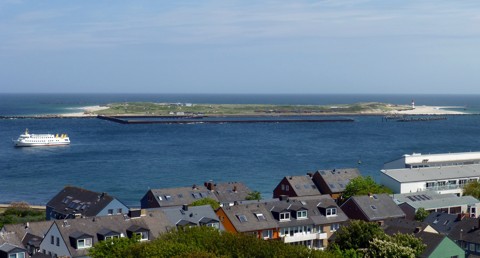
(363,186)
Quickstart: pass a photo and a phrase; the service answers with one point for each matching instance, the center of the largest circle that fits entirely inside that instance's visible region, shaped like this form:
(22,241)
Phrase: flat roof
(446,202)
(406,175)
(441,157)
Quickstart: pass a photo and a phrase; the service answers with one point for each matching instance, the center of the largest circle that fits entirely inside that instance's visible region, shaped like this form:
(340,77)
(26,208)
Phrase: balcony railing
(299,237)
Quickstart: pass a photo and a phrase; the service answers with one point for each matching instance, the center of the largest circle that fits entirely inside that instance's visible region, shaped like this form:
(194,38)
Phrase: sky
(244,46)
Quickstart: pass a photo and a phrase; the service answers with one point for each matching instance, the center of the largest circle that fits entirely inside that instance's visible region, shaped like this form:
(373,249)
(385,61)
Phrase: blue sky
(240,46)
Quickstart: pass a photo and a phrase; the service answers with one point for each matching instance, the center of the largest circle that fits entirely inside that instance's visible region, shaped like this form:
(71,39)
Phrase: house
(434,202)
(442,222)
(445,179)
(170,197)
(372,208)
(193,216)
(466,234)
(418,160)
(308,221)
(25,235)
(333,182)
(228,193)
(74,237)
(253,218)
(436,245)
(296,186)
(74,202)
(11,251)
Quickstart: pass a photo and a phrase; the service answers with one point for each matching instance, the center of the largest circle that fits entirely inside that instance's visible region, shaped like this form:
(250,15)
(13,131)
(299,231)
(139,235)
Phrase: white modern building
(442,179)
(418,160)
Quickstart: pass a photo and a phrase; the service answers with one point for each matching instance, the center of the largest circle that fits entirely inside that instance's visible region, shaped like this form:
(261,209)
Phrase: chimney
(234,188)
(310,174)
(185,207)
(194,187)
(460,216)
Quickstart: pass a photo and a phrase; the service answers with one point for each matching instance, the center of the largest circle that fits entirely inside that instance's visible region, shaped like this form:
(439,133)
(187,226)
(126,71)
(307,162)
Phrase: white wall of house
(390,183)
(46,244)
(113,205)
(398,163)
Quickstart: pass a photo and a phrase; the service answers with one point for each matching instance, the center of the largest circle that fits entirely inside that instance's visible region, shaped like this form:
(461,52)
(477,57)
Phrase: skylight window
(260,216)
(373,207)
(242,218)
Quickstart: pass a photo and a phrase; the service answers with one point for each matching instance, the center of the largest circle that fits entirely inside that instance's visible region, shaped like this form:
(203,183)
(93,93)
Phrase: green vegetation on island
(20,213)
(166,109)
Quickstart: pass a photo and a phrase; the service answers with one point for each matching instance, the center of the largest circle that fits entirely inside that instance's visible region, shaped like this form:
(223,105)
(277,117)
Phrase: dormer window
(81,240)
(135,230)
(284,216)
(331,212)
(143,235)
(17,255)
(301,214)
(84,243)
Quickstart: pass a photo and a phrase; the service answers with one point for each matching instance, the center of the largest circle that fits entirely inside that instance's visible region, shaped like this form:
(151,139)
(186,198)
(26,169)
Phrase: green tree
(206,201)
(472,188)
(117,247)
(398,245)
(255,195)
(357,235)
(363,186)
(421,214)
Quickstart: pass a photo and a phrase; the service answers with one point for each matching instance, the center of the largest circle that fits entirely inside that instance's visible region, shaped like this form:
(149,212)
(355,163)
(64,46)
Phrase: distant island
(189,109)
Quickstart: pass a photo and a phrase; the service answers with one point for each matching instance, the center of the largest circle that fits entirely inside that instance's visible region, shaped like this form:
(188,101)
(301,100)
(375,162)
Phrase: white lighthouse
(413,104)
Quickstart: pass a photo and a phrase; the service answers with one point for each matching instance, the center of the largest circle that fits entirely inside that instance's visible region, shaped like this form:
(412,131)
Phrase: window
(301,214)
(84,243)
(58,241)
(110,211)
(111,237)
(331,212)
(119,211)
(285,216)
(287,188)
(242,218)
(430,184)
(373,207)
(143,235)
(213,225)
(334,227)
(260,216)
(283,187)
(17,255)
(267,234)
(52,240)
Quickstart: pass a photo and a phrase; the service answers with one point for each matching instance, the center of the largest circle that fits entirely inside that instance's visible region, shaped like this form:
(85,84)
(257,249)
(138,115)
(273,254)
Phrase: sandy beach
(429,110)
(86,111)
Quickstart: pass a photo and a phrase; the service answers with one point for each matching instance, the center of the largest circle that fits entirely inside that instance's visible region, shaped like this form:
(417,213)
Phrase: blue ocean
(127,160)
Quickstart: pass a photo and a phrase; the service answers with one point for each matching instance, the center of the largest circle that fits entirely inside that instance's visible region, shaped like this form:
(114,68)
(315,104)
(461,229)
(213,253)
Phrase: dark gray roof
(155,221)
(377,206)
(6,247)
(250,221)
(230,192)
(303,185)
(337,179)
(468,229)
(419,229)
(21,234)
(195,214)
(442,222)
(315,205)
(71,200)
(167,197)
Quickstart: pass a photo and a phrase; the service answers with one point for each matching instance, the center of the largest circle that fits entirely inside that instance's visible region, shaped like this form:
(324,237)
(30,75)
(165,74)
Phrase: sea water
(127,160)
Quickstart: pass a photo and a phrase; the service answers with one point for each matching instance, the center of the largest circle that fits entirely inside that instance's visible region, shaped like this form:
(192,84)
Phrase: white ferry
(30,140)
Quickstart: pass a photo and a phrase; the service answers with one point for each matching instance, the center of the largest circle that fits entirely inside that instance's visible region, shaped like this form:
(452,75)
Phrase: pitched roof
(6,247)
(376,206)
(337,179)
(303,185)
(230,192)
(250,217)
(178,196)
(468,229)
(442,222)
(21,234)
(420,230)
(316,205)
(155,221)
(71,200)
(198,215)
